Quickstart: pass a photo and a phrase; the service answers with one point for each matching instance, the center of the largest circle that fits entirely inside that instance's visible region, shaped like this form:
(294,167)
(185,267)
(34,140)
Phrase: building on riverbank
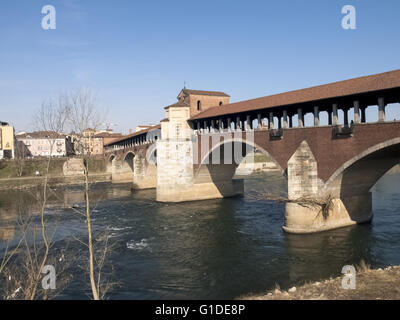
(44,143)
(93,141)
(6,141)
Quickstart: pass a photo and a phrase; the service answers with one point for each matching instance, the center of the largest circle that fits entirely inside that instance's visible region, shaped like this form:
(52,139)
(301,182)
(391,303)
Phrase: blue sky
(136,55)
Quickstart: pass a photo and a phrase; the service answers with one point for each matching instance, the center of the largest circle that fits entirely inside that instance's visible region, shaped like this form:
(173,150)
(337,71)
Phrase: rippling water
(217,249)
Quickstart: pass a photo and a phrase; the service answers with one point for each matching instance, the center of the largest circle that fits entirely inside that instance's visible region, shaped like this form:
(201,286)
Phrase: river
(217,249)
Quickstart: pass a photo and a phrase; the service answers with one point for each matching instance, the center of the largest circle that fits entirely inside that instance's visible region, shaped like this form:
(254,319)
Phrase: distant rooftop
(205,93)
(134,134)
(41,135)
(178,104)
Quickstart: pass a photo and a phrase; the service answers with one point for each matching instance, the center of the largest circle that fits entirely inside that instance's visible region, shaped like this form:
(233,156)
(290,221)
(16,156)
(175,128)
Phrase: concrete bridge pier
(344,199)
(144,173)
(177,179)
(120,171)
(133,168)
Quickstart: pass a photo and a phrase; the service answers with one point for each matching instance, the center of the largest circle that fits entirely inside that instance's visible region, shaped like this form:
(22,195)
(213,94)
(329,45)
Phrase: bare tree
(26,270)
(84,115)
(50,118)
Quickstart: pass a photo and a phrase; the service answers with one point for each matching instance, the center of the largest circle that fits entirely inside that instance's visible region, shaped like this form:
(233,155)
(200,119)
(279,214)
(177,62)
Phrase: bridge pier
(177,180)
(120,172)
(315,206)
(304,218)
(144,174)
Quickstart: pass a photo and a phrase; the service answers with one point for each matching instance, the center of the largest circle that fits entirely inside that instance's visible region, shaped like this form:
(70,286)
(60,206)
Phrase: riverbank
(380,284)
(31,182)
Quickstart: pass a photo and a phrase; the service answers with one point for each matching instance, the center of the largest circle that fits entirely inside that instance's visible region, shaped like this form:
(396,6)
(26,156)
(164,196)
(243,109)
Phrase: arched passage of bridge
(348,189)
(359,174)
(129,161)
(220,163)
(111,157)
(109,163)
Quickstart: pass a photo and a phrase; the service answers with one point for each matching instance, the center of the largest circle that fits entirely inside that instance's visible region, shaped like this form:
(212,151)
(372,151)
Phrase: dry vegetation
(323,205)
(380,284)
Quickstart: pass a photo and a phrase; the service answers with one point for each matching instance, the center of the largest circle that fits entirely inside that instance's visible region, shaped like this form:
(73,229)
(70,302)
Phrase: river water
(217,249)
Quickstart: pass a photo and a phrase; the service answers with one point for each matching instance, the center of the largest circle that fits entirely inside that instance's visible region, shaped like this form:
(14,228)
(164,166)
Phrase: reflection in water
(217,249)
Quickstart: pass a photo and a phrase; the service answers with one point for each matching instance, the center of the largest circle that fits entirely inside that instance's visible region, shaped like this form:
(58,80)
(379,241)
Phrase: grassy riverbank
(28,167)
(380,284)
(21,174)
(30,182)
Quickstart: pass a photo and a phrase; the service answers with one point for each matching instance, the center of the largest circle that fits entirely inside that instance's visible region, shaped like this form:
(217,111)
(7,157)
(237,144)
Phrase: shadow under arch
(111,158)
(128,160)
(219,164)
(151,154)
(356,177)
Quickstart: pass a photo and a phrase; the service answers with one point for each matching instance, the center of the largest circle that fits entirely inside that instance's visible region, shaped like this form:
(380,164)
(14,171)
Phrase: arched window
(220,103)
(198,105)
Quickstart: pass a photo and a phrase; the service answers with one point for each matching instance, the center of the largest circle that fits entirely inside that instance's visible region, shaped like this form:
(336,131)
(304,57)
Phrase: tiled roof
(123,138)
(178,104)
(41,135)
(382,81)
(108,135)
(205,93)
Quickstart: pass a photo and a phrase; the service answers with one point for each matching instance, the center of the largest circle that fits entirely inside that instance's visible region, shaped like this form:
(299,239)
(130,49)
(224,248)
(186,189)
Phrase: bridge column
(205,127)
(335,119)
(198,127)
(300,118)
(285,119)
(120,172)
(248,123)
(363,115)
(144,173)
(237,124)
(220,125)
(316,116)
(316,206)
(174,155)
(357,118)
(290,121)
(346,117)
(271,120)
(381,108)
(228,124)
(212,128)
(259,124)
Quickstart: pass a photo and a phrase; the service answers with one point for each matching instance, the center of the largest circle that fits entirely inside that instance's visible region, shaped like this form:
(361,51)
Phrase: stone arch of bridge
(214,167)
(128,161)
(111,157)
(387,151)
(356,177)
(110,162)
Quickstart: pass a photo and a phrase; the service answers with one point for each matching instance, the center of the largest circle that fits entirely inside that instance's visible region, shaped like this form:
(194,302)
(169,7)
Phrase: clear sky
(136,55)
